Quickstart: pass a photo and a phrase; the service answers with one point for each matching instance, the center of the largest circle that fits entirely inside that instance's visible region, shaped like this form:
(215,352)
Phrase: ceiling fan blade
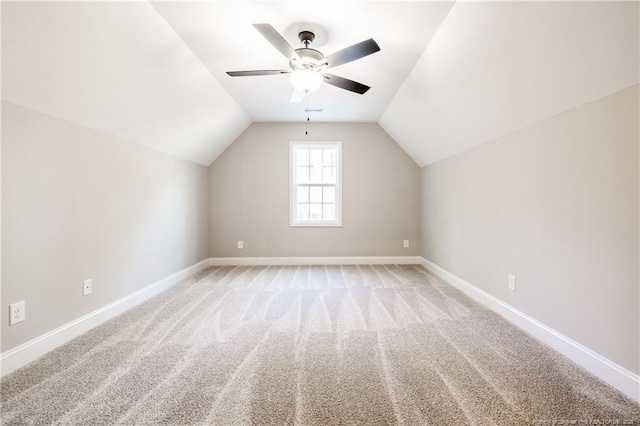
(346,84)
(257,72)
(296,95)
(351,53)
(277,41)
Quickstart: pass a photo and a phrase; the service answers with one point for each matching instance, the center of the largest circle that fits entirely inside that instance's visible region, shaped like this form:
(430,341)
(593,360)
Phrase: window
(316,184)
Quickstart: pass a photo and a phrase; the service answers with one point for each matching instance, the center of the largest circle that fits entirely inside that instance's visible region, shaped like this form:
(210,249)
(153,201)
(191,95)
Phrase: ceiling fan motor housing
(309,56)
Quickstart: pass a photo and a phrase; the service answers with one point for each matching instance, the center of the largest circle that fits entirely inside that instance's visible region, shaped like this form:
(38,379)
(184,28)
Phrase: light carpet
(310,345)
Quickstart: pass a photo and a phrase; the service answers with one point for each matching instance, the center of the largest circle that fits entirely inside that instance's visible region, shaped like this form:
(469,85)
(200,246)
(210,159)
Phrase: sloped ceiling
(493,68)
(118,68)
(448,77)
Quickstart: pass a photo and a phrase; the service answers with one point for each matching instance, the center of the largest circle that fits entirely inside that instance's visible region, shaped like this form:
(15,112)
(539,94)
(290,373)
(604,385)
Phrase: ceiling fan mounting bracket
(306,37)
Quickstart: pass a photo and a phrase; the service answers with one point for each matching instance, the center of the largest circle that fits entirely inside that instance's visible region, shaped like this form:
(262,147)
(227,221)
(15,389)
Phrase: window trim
(292,193)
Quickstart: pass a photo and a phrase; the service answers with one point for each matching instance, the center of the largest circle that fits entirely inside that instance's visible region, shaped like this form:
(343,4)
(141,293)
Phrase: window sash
(331,205)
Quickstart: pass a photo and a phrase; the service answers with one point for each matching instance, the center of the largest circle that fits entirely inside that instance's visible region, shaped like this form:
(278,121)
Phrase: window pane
(316,175)
(302,157)
(329,211)
(303,212)
(328,194)
(302,175)
(303,194)
(315,156)
(328,175)
(316,194)
(328,157)
(315,212)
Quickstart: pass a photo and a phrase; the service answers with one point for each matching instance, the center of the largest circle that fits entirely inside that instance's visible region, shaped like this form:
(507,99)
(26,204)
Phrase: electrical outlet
(405,244)
(17,312)
(512,282)
(87,287)
(240,244)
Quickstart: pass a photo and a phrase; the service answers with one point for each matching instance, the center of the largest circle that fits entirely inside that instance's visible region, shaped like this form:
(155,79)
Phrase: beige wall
(80,204)
(249,195)
(556,204)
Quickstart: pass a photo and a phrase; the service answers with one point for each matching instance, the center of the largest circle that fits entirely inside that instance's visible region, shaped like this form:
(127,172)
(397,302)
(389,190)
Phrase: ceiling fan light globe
(306,80)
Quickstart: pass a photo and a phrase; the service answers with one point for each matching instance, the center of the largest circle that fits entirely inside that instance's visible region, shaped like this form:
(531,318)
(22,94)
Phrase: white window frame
(292,186)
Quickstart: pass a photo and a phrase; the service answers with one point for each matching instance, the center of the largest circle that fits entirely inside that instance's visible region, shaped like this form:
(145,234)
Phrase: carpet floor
(309,345)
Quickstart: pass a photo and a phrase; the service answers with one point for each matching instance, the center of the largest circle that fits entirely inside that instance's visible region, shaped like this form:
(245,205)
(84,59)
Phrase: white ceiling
(448,77)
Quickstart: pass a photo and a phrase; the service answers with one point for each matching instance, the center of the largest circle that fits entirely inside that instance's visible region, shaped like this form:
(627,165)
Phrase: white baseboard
(345,260)
(35,348)
(619,377)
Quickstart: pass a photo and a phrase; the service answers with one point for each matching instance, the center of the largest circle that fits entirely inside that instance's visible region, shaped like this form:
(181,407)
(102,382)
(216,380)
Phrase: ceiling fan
(307,66)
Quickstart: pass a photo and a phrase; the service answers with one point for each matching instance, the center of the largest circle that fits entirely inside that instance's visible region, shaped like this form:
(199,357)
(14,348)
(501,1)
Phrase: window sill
(315,225)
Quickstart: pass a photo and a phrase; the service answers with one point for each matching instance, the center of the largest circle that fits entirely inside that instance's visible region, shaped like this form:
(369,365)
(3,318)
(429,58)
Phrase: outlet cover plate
(512,282)
(405,244)
(17,312)
(240,244)
(87,287)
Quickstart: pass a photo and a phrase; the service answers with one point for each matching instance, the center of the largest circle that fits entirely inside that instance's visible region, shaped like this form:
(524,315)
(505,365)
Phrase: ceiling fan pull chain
(306,129)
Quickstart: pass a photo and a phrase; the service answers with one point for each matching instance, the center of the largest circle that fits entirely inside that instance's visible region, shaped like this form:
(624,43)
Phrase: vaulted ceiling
(449,75)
